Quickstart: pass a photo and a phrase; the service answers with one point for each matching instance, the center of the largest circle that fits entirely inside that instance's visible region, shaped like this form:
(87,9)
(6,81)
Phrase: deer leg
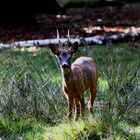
(70,107)
(82,107)
(92,98)
(79,103)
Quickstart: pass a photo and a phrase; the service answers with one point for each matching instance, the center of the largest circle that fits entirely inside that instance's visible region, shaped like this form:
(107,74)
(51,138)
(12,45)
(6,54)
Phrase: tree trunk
(118,38)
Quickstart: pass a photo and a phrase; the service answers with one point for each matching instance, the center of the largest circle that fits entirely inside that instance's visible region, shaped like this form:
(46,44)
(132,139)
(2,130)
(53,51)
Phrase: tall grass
(32,103)
(29,87)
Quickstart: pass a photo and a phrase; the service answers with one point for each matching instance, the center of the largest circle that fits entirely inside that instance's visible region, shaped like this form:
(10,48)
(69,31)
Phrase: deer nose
(65,66)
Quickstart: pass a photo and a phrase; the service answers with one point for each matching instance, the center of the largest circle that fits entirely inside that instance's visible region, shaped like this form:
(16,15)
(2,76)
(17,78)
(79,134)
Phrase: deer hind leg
(92,98)
(70,107)
(82,106)
(79,103)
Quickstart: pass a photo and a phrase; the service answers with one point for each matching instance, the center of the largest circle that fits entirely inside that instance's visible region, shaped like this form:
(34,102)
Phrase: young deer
(77,78)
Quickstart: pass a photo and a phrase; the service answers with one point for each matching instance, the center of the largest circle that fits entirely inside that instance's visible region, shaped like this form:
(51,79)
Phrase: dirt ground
(97,21)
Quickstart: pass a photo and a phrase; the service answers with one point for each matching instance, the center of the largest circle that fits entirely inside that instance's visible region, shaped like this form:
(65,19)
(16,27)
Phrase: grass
(14,128)
(32,105)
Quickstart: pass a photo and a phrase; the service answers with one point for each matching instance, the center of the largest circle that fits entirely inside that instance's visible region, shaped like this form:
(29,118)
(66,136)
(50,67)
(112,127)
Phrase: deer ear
(74,47)
(54,50)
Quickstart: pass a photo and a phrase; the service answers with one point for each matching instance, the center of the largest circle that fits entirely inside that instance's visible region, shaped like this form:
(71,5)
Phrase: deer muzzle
(65,65)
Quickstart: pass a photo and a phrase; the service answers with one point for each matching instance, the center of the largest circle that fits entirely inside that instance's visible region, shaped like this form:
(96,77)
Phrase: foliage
(32,104)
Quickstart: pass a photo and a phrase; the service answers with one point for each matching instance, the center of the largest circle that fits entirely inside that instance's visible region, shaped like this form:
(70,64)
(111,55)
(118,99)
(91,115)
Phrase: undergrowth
(32,105)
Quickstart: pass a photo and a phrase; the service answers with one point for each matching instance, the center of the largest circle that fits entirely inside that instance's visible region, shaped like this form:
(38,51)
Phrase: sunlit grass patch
(87,129)
(72,130)
(103,84)
(11,128)
(31,129)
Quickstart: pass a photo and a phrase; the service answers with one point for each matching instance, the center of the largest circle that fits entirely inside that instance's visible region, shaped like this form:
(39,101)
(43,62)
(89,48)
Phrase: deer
(77,77)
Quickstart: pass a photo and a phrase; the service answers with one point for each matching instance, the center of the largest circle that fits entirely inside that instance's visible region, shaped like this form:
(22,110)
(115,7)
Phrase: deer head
(64,51)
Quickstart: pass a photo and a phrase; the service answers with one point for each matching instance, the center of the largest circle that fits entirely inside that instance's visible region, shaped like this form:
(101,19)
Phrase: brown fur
(81,76)
(77,78)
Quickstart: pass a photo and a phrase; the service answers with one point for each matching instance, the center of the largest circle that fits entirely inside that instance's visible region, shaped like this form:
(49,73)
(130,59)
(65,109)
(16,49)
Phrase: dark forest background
(24,11)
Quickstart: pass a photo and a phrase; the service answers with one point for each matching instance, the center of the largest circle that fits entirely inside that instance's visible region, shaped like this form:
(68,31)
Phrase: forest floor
(82,22)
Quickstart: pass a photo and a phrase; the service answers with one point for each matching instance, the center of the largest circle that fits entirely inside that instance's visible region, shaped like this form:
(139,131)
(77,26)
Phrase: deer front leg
(70,107)
(79,102)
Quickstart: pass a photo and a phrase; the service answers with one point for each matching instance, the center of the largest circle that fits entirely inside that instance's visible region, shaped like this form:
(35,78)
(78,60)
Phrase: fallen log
(103,40)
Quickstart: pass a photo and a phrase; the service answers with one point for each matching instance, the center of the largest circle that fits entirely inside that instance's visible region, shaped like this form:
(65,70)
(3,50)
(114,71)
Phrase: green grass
(32,105)
(13,128)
